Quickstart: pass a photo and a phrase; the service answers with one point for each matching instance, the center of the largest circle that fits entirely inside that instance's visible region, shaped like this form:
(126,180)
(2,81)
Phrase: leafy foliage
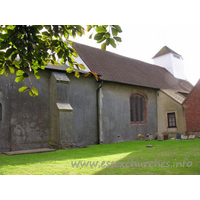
(103,34)
(34,46)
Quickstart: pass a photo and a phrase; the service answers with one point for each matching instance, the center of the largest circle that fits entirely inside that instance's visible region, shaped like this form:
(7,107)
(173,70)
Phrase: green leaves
(9,52)
(19,79)
(103,46)
(2,55)
(117,39)
(77,75)
(112,42)
(107,34)
(107,41)
(114,31)
(4,45)
(12,69)
(2,70)
(118,28)
(70,42)
(69,70)
(34,46)
(23,89)
(89,27)
(32,91)
(55,63)
(100,29)
(81,66)
(36,73)
(13,57)
(21,76)
(19,73)
(98,36)
(90,36)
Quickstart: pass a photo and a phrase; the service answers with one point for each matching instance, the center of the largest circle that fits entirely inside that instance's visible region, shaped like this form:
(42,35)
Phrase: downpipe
(97,99)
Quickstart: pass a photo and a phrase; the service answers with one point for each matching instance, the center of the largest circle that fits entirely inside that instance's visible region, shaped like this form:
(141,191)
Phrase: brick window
(171,120)
(138,109)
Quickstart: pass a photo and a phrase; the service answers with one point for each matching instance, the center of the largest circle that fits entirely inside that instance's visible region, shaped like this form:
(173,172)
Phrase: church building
(130,97)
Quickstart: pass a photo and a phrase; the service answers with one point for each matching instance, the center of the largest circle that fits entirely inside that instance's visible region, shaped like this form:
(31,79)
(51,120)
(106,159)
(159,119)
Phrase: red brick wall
(192,109)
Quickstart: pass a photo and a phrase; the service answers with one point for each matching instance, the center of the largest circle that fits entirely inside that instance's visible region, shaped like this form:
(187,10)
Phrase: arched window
(0,112)
(138,109)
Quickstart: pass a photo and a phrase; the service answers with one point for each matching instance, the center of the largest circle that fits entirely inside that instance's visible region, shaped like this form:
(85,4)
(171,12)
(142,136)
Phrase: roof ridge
(114,67)
(121,56)
(165,50)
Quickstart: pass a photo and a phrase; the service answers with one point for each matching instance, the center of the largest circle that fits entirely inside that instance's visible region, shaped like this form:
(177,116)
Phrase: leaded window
(138,109)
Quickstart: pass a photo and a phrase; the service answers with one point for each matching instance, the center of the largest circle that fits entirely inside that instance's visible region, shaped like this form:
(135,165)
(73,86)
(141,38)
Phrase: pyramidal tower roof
(165,50)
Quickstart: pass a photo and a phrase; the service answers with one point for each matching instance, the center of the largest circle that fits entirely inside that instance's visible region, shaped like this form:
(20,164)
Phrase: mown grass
(115,158)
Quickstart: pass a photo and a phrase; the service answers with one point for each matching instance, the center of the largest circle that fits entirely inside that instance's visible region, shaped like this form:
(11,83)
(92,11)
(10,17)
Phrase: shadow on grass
(136,150)
(69,154)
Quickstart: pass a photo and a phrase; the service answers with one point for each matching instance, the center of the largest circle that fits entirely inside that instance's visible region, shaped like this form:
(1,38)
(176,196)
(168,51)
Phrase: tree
(34,46)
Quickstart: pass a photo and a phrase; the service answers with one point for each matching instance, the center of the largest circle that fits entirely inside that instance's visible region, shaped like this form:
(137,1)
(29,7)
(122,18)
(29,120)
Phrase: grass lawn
(117,158)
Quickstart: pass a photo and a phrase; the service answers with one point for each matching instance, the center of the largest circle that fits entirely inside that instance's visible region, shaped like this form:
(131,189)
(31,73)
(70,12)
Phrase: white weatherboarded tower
(171,61)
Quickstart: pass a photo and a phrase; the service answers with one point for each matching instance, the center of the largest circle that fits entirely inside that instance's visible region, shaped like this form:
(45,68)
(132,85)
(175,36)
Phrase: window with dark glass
(171,120)
(137,108)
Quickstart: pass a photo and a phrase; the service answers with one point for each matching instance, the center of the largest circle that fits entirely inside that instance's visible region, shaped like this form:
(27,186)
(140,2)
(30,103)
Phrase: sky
(149,25)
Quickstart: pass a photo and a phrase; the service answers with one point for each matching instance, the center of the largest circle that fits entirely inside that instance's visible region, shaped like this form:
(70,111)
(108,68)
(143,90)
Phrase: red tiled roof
(116,68)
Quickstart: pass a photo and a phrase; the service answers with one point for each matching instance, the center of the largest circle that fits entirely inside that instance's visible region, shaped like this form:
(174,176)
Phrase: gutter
(140,86)
(97,99)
